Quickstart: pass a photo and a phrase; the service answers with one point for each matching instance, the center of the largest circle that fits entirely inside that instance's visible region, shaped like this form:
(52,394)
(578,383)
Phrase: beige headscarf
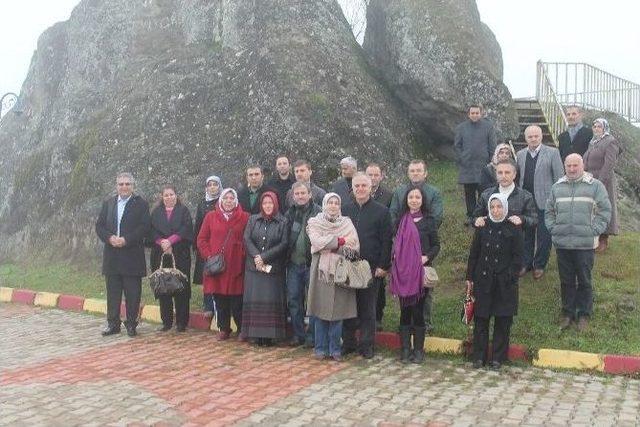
(324,232)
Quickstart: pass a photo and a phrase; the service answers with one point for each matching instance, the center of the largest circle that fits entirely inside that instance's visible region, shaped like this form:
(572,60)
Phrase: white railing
(551,108)
(577,83)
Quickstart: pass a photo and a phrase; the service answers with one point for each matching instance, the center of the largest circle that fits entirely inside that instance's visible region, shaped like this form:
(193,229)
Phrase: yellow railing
(551,108)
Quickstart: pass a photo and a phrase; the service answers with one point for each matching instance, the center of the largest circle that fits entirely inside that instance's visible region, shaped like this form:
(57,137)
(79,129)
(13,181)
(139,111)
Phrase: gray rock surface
(174,91)
(437,57)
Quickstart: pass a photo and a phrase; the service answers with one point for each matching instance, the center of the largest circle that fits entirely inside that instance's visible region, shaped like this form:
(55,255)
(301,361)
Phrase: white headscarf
(505,206)
(217,179)
(228,214)
(325,200)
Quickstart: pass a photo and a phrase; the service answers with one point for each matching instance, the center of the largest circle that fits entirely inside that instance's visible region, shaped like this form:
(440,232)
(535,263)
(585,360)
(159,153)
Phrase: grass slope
(615,327)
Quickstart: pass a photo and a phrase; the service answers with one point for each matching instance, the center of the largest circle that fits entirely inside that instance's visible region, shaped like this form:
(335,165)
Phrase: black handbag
(215,263)
(167,280)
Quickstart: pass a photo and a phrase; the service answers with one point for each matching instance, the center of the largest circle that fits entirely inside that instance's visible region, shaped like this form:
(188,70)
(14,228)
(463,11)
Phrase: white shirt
(121,205)
(507,190)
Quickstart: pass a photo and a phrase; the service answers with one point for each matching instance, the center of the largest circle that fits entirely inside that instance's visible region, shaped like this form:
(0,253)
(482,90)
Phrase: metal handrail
(551,108)
(578,83)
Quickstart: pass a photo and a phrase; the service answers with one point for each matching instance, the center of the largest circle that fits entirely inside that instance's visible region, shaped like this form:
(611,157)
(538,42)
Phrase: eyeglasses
(121,184)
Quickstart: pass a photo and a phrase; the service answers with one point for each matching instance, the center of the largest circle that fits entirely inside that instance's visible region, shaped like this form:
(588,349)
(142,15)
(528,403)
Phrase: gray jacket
(577,212)
(474,144)
(549,170)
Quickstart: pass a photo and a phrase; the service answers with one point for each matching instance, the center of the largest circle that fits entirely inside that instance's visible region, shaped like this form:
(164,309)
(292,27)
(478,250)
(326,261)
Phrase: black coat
(383,196)
(373,224)
(243,198)
(297,218)
(204,207)
(429,240)
(579,145)
(494,262)
(134,227)
(161,228)
(281,187)
(267,239)
(342,187)
(521,203)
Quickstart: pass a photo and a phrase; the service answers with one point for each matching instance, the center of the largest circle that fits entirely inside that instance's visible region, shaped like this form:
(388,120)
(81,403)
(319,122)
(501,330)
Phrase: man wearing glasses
(122,226)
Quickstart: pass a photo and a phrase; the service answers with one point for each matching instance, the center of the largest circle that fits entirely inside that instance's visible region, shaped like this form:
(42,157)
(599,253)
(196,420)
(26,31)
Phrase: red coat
(210,239)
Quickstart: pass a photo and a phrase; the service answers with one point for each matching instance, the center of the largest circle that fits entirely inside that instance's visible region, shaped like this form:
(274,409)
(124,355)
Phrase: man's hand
(113,241)
(480,222)
(515,220)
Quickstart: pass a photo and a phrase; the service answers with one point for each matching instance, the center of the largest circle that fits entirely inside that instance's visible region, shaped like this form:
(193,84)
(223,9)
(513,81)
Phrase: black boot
(405,344)
(418,344)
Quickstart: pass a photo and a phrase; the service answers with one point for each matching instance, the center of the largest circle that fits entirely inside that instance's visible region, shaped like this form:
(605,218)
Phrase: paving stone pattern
(57,370)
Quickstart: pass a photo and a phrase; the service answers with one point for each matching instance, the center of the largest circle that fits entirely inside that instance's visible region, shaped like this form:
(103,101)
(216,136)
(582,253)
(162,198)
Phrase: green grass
(614,328)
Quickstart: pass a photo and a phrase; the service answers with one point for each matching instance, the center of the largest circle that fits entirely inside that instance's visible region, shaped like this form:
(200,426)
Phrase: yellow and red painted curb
(546,358)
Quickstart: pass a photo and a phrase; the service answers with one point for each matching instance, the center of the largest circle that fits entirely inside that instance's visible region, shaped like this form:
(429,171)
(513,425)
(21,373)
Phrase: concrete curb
(546,358)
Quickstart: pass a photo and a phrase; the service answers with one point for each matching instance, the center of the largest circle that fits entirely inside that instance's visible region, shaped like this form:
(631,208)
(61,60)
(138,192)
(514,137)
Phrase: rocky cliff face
(174,91)
(437,57)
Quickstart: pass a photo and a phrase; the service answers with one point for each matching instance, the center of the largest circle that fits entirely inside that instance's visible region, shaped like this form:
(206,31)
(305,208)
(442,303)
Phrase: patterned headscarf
(228,214)
(499,147)
(605,127)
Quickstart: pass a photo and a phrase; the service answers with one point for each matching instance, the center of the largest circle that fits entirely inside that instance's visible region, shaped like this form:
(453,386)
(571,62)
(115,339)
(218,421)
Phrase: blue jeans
(537,245)
(328,335)
(297,288)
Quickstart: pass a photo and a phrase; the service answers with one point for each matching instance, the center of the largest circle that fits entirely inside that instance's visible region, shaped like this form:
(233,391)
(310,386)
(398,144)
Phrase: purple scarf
(407,271)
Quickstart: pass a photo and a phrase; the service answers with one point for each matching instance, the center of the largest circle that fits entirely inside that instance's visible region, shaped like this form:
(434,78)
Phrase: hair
(418,161)
(281,156)
(475,105)
(361,175)
(508,161)
(302,162)
(405,205)
(254,166)
(374,165)
(127,175)
(301,184)
(349,161)
(172,187)
(573,107)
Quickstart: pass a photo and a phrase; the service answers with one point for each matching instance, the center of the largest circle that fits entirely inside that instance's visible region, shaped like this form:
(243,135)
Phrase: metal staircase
(559,84)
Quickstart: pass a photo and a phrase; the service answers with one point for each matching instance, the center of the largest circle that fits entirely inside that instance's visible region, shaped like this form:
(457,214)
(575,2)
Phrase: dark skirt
(263,305)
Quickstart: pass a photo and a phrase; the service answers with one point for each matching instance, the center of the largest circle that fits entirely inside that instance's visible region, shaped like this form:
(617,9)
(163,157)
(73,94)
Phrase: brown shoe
(565,322)
(537,274)
(583,323)
(522,272)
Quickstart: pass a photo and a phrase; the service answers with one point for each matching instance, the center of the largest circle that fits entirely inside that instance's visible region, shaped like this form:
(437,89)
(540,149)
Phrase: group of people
(283,240)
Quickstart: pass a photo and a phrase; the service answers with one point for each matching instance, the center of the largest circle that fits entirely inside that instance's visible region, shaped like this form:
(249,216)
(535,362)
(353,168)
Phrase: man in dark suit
(122,225)
(577,136)
(249,195)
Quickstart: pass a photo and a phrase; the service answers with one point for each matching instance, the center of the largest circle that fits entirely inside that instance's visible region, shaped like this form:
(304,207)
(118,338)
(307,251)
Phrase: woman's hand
(165,245)
(425,259)
(469,286)
(258,261)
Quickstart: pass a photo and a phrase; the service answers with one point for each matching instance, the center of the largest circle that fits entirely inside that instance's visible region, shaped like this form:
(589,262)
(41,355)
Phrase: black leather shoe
(367,353)
(131,331)
(494,365)
(181,328)
(110,331)
(477,364)
(348,350)
(164,328)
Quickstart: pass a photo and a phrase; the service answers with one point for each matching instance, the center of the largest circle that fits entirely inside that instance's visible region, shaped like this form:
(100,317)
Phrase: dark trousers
(413,315)
(471,194)
(227,306)
(501,331)
(537,244)
(366,320)
(382,301)
(574,269)
(132,288)
(182,308)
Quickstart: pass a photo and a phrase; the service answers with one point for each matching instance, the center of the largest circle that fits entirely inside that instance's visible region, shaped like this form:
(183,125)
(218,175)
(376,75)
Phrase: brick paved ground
(56,370)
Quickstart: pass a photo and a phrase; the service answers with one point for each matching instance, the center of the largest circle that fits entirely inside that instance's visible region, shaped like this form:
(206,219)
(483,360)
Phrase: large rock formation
(437,57)
(176,90)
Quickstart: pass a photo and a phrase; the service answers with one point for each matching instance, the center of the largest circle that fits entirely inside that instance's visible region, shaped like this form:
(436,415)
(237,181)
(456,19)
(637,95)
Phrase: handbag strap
(225,241)
(173,260)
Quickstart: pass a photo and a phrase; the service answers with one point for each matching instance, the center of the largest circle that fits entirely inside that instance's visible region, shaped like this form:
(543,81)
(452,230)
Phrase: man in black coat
(577,136)
(522,208)
(122,225)
(249,195)
(282,180)
(373,224)
(342,187)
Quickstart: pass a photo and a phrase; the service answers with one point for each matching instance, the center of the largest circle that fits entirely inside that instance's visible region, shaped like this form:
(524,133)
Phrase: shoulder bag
(215,263)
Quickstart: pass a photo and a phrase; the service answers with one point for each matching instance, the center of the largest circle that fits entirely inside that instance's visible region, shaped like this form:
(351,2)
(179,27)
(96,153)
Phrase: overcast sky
(605,34)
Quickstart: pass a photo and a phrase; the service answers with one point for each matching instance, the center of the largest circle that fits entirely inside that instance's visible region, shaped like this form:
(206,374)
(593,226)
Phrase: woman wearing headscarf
(213,187)
(331,236)
(600,160)
(263,303)
(492,271)
(222,231)
(415,246)
(172,234)
(488,174)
